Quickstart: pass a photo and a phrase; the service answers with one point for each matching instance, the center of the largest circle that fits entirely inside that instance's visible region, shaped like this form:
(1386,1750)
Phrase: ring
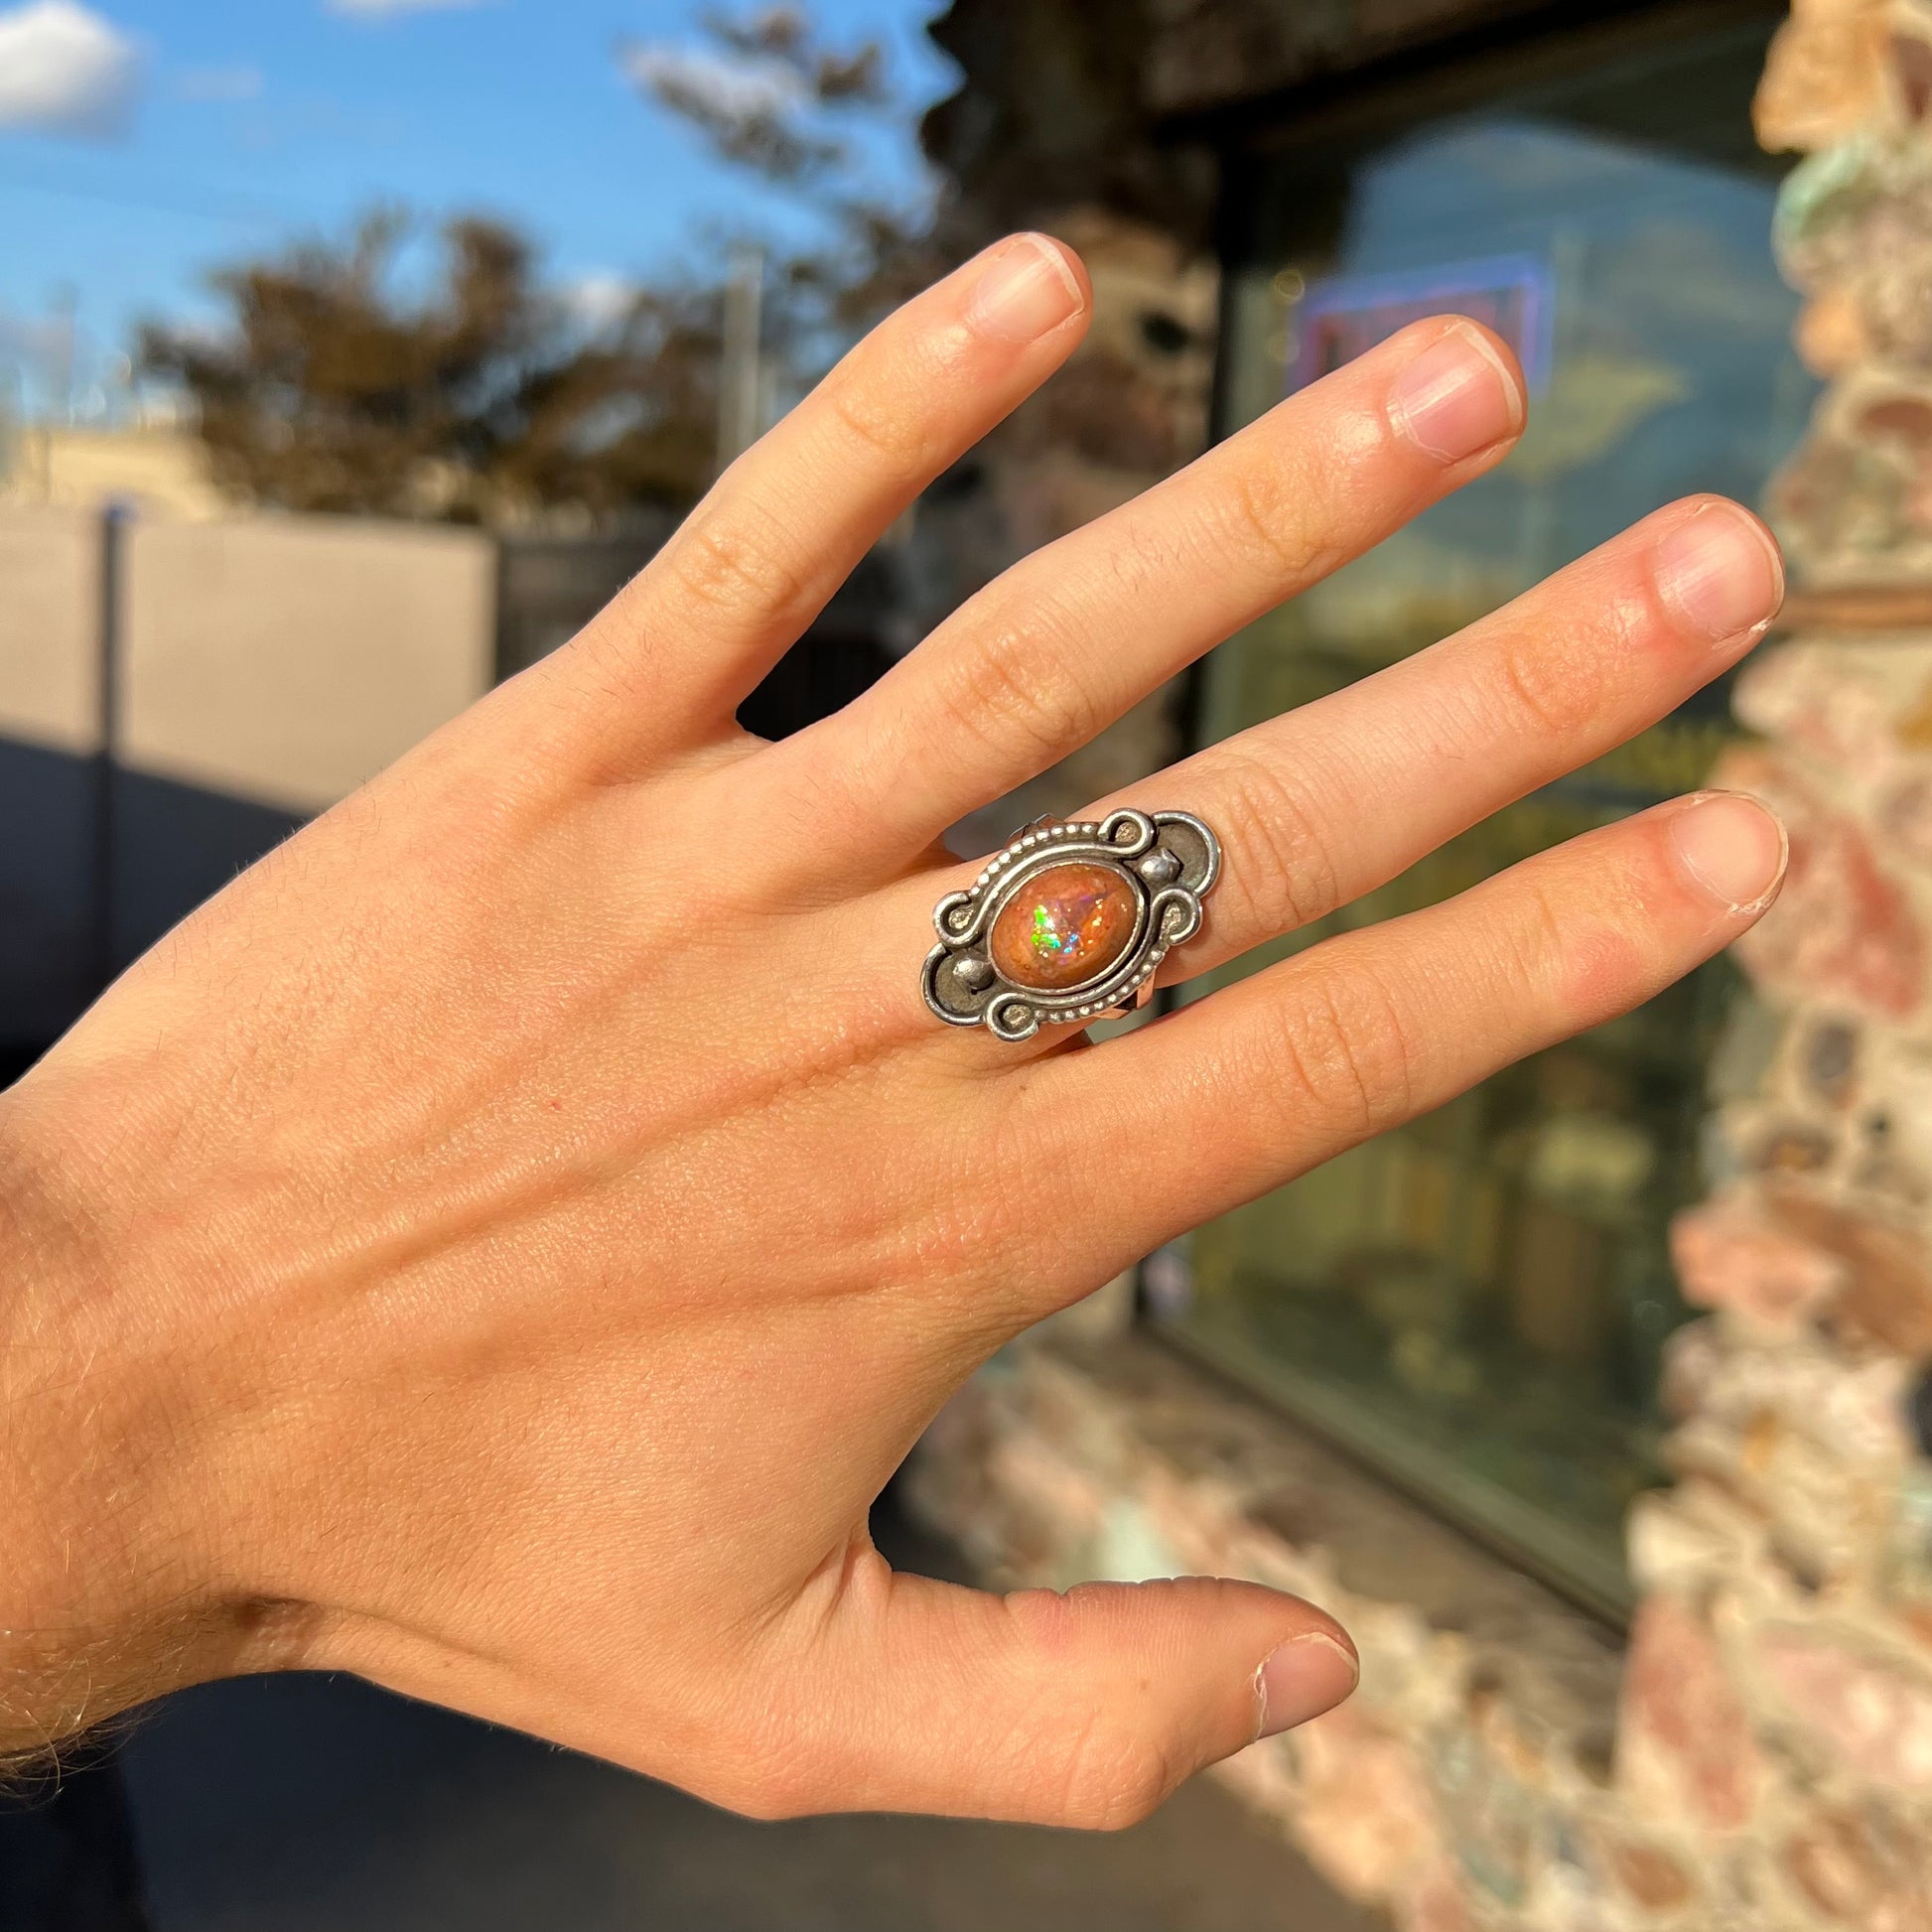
(1069,922)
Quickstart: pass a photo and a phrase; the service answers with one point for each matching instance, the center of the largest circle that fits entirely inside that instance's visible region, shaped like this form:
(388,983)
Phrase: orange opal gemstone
(1065,926)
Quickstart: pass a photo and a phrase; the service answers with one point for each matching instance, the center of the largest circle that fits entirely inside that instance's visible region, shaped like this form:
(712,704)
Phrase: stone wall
(1760,1754)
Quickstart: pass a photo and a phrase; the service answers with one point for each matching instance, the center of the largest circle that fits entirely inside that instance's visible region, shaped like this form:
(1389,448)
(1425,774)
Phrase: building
(1595,1403)
(159,469)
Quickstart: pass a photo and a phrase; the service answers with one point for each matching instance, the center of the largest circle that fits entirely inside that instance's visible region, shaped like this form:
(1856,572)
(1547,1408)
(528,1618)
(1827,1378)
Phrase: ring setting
(1069,922)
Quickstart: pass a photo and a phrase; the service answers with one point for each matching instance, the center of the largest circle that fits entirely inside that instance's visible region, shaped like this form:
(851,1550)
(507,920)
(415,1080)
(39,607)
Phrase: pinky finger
(1258,1083)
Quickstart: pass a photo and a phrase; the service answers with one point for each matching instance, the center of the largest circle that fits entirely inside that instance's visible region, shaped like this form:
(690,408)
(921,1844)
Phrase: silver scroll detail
(1170,860)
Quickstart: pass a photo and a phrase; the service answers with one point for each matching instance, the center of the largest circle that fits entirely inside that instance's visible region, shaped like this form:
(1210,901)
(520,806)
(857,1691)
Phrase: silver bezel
(1169,858)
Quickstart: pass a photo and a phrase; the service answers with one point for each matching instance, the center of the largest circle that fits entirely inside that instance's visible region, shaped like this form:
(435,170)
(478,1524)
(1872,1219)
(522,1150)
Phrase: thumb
(1083,1709)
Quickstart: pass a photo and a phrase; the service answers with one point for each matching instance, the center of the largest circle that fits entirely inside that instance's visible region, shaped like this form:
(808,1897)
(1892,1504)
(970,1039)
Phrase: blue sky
(143,141)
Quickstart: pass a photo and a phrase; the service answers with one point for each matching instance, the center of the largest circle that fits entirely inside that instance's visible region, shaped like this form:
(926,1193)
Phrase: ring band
(1069,922)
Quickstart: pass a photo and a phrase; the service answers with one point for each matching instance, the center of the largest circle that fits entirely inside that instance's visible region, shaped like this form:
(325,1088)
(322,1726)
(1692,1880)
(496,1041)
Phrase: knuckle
(1011,689)
(1099,1774)
(773,1785)
(771,1801)
(889,436)
(1536,939)
(1286,865)
(1050,1622)
(1541,693)
(1112,1778)
(735,571)
(1350,1061)
(756,1801)
(1142,555)
(1262,528)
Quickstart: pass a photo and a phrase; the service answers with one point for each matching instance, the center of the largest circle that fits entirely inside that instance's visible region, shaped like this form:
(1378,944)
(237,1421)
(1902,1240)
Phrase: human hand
(504,1242)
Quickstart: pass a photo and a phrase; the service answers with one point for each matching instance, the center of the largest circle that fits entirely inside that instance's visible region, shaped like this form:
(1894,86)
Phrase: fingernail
(1732,847)
(1026,287)
(1300,1679)
(1457,397)
(1721,572)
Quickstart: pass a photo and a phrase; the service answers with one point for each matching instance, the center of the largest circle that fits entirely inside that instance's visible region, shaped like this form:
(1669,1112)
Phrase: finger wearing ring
(1069,922)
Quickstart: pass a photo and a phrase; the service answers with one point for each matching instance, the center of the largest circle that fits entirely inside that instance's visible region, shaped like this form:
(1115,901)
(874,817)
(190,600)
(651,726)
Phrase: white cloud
(598,301)
(738,90)
(64,71)
(217,83)
(388,9)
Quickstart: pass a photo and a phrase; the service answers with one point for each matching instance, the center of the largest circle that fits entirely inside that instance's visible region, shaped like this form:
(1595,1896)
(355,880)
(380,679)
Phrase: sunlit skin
(504,1242)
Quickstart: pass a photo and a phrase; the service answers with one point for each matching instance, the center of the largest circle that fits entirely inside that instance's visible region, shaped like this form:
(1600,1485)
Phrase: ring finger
(1319,807)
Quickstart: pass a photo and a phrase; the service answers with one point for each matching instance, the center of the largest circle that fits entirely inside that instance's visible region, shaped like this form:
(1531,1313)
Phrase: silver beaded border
(1170,860)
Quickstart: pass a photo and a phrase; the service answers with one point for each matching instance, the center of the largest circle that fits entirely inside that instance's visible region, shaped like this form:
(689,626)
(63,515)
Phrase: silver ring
(1069,922)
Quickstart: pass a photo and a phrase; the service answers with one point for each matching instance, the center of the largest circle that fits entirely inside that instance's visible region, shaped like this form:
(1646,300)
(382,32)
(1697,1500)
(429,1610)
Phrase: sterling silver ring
(1069,922)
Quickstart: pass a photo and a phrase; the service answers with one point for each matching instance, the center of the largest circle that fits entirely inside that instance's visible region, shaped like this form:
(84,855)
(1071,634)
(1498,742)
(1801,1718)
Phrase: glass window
(1478,1300)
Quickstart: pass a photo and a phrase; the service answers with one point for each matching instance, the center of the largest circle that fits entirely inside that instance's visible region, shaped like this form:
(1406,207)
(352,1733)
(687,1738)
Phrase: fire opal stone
(1064,927)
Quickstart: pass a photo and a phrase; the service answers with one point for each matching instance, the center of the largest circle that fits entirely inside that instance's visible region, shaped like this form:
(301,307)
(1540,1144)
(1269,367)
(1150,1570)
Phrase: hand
(502,1244)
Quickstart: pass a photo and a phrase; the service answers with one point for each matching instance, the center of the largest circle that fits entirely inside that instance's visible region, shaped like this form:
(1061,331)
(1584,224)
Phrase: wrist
(107,1599)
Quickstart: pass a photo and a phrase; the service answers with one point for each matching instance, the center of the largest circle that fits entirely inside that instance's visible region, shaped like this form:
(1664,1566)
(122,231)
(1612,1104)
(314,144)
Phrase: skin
(503,1243)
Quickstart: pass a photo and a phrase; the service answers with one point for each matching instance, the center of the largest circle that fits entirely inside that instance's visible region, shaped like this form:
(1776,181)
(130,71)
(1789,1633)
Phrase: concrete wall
(286,660)
(280,659)
(49,571)
(268,666)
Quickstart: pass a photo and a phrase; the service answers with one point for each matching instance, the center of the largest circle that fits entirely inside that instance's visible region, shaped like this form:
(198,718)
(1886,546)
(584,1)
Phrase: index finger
(749,569)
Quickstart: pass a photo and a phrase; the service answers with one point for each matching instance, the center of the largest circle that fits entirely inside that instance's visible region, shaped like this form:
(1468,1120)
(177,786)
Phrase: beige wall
(50,569)
(153,469)
(279,660)
(286,660)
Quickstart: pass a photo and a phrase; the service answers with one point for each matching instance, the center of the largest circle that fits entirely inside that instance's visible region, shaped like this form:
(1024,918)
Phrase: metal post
(114,525)
(67,349)
(739,385)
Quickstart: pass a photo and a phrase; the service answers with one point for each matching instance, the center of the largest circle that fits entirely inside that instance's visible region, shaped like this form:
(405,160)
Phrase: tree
(769,95)
(492,399)
(489,399)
